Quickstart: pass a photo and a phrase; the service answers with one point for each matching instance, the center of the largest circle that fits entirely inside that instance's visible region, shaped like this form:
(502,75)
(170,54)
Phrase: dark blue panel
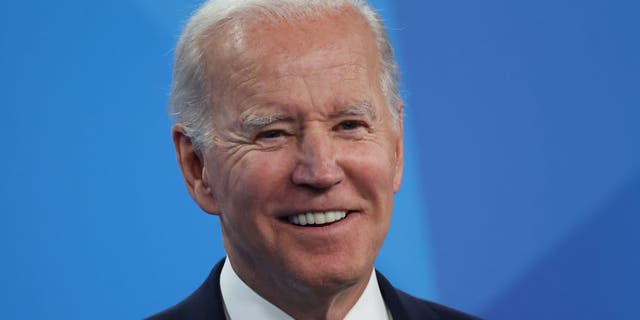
(528,113)
(592,274)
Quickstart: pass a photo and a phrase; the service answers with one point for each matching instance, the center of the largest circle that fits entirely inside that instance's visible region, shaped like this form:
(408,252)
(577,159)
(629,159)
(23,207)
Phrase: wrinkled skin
(301,125)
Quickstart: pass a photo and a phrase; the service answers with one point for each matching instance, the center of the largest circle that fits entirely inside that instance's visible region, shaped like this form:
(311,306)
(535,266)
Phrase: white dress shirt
(241,302)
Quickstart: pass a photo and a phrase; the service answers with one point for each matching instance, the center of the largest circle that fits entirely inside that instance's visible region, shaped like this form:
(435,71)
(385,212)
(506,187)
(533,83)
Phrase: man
(289,129)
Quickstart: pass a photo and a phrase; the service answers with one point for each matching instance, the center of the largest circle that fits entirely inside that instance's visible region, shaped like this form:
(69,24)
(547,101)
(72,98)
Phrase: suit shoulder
(196,306)
(204,303)
(173,313)
(405,306)
(416,305)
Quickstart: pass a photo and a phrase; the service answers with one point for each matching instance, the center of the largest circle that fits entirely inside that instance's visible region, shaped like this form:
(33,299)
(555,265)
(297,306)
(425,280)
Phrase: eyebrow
(362,109)
(253,123)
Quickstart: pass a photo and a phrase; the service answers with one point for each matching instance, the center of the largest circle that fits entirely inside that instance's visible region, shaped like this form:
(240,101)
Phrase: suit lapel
(206,302)
(399,305)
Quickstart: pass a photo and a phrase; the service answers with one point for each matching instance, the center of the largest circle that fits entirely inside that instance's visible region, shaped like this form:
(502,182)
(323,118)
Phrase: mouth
(317,219)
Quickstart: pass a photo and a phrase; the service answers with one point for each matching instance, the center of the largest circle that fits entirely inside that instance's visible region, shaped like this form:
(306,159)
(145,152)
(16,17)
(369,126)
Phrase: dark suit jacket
(206,303)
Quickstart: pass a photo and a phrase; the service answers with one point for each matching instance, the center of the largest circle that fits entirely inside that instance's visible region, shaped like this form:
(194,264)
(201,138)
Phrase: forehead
(333,29)
(332,48)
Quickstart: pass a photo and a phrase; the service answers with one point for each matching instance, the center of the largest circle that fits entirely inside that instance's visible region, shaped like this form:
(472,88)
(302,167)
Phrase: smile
(317,218)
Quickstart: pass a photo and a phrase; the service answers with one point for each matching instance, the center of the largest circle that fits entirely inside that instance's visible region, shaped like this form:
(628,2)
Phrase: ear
(399,150)
(194,171)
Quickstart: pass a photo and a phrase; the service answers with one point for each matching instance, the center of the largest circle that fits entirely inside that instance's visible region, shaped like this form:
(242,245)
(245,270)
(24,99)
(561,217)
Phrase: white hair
(189,103)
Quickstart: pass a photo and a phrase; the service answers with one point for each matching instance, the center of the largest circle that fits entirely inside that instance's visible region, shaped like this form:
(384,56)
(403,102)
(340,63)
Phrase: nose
(317,166)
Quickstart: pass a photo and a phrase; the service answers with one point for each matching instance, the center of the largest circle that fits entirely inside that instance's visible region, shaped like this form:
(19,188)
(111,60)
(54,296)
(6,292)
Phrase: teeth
(317,217)
(310,218)
(302,219)
(330,217)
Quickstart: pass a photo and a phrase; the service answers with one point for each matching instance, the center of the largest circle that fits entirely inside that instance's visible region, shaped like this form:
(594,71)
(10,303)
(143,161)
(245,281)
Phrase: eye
(350,125)
(270,134)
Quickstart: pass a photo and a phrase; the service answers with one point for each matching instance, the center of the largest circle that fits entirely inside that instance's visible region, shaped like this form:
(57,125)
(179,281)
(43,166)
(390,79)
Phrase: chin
(329,274)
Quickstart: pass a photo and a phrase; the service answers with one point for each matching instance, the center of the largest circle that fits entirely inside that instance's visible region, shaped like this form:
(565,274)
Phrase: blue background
(521,197)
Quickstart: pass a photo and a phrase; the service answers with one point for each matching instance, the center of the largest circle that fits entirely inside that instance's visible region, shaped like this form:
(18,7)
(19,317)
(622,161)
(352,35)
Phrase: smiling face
(306,158)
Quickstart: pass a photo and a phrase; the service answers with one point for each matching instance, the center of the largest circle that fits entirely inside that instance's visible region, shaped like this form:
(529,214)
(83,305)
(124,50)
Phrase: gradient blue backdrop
(521,197)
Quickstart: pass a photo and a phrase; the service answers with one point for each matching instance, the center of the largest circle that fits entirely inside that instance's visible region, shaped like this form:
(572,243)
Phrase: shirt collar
(241,302)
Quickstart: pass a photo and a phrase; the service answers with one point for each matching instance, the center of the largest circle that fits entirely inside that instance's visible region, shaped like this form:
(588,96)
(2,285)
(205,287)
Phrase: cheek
(256,180)
(252,186)
(371,169)
(371,161)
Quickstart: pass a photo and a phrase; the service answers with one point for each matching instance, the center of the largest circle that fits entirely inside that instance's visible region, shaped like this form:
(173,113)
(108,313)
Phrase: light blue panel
(406,255)
(168,16)
(96,221)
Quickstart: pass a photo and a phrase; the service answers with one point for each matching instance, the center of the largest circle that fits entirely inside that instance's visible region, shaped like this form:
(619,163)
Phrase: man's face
(301,130)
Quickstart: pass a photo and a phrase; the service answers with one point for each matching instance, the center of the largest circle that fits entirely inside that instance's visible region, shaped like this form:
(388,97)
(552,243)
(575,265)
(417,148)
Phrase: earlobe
(194,172)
